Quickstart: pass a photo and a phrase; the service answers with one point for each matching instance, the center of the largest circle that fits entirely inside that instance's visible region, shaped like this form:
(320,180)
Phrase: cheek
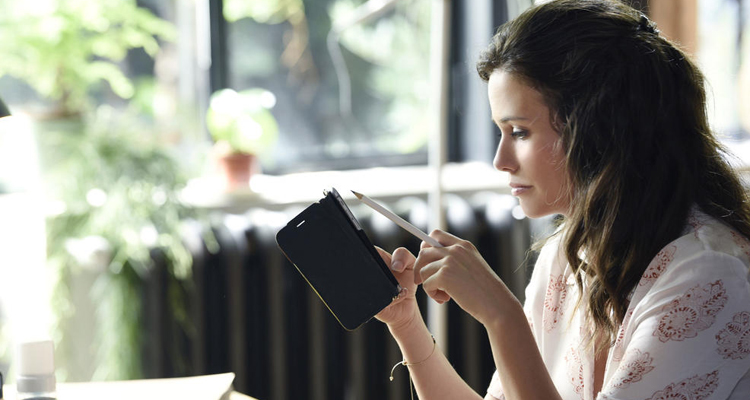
(557,177)
(557,183)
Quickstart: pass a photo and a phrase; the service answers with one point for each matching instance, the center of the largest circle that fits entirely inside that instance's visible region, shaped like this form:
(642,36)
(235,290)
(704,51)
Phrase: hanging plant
(117,201)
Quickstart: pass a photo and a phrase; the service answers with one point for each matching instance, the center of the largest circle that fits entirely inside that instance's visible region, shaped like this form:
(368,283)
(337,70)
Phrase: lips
(518,189)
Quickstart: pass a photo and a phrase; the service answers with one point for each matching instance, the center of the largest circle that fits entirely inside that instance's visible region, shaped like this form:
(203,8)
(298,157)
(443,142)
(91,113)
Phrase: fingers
(429,254)
(444,238)
(426,256)
(441,270)
(432,282)
(401,263)
(402,260)
(385,255)
(438,295)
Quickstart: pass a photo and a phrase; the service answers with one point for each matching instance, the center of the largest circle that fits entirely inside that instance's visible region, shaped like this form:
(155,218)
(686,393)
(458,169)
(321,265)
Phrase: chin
(537,212)
(535,215)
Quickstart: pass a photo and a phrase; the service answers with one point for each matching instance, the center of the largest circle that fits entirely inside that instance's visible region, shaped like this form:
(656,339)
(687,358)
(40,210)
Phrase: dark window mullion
(218,71)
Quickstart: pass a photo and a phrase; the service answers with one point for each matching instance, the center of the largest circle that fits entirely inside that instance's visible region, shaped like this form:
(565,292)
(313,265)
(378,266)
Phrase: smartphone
(328,247)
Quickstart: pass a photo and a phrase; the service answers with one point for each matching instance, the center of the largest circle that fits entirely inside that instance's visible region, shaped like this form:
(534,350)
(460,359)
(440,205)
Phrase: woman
(643,290)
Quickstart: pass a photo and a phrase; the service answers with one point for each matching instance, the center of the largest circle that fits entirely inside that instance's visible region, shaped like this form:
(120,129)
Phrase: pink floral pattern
(575,370)
(685,334)
(557,291)
(734,339)
(742,243)
(658,265)
(618,349)
(635,365)
(694,388)
(691,313)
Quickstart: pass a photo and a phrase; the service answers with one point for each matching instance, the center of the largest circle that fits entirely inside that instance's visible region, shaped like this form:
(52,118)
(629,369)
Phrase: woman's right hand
(403,310)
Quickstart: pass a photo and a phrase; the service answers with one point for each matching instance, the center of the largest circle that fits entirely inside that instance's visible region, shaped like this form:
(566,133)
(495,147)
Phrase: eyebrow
(513,118)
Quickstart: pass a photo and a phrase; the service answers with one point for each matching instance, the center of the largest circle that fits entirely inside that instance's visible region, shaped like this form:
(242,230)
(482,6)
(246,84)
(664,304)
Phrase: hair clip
(645,24)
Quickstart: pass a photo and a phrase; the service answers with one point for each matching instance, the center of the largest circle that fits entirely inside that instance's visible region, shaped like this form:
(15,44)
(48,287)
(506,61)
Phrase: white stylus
(398,220)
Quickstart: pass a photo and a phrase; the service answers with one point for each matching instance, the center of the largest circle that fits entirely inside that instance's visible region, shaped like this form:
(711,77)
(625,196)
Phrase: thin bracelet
(406,363)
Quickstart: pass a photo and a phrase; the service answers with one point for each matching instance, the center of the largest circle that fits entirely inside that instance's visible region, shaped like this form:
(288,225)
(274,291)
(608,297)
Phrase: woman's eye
(519,133)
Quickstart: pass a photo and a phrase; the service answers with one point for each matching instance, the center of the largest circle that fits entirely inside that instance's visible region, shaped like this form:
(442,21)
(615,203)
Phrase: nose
(505,158)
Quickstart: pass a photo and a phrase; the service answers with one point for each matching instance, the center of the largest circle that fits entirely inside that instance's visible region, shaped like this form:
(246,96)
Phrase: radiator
(251,313)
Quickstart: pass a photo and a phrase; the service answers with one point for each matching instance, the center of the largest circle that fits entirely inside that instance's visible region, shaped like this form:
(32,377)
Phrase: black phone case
(331,251)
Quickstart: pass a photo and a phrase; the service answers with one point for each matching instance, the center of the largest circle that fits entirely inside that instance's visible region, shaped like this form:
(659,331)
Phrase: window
(350,77)
(716,34)
(724,56)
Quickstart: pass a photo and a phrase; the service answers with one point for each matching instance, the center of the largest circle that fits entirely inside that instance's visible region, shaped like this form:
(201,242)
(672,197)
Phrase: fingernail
(397,266)
(403,292)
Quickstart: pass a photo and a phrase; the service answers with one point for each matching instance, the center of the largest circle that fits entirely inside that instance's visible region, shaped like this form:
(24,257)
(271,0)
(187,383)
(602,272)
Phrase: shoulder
(689,314)
(710,259)
(707,248)
(707,233)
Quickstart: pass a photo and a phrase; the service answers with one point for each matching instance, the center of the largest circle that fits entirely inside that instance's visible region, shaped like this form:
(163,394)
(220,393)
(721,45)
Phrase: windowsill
(275,192)
(301,188)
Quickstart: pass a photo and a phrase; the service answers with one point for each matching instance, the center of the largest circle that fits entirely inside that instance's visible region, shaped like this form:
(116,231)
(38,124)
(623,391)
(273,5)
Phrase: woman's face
(529,148)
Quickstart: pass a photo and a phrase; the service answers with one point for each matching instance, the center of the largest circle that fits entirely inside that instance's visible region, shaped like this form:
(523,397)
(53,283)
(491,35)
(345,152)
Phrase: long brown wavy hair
(630,108)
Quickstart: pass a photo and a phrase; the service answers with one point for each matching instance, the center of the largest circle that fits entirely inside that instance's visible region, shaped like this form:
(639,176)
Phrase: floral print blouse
(686,333)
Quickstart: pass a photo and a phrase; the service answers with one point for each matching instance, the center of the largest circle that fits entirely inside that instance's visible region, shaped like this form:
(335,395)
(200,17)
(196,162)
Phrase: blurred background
(156,146)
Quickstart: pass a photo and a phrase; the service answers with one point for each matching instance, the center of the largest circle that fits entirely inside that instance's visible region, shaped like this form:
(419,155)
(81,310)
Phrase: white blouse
(686,333)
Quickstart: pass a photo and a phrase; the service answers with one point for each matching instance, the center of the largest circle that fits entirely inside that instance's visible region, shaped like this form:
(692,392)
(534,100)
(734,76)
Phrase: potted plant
(243,129)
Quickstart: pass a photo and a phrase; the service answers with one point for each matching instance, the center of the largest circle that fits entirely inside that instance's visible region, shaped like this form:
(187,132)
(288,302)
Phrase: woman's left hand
(458,271)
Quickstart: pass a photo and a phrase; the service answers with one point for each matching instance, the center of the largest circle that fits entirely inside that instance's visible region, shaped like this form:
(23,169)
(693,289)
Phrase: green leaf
(56,49)
(120,84)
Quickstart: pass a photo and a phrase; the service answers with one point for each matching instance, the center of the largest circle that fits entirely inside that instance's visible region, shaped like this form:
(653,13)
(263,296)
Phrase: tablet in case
(329,248)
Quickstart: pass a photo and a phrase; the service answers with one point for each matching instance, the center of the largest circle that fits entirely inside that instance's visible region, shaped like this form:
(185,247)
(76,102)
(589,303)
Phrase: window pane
(352,98)
(723,51)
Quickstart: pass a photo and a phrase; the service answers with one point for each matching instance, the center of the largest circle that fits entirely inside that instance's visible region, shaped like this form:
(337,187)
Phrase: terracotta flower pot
(237,168)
